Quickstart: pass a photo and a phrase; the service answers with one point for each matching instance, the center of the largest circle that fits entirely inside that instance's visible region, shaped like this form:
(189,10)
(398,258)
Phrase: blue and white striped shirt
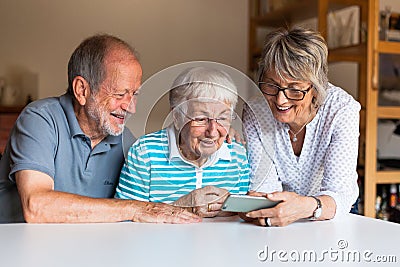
(155,171)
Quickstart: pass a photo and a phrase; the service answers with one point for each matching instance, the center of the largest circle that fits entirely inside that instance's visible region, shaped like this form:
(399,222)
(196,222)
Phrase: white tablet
(245,203)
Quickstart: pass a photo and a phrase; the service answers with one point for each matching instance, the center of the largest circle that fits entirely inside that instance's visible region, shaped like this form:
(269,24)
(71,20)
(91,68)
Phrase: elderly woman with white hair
(189,163)
(303,149)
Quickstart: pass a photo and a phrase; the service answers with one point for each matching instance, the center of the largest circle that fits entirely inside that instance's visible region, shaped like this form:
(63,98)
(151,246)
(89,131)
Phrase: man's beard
(101,117)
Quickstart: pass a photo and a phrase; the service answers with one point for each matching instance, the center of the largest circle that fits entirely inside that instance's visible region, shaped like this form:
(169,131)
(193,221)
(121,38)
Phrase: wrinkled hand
(151,212)
(291,209)
(254,194)
(205,202)
(236,137)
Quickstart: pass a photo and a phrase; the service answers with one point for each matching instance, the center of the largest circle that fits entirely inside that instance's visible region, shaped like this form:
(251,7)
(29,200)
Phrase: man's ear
(81,89)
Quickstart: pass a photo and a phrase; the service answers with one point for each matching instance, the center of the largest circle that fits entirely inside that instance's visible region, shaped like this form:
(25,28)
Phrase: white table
(214,242)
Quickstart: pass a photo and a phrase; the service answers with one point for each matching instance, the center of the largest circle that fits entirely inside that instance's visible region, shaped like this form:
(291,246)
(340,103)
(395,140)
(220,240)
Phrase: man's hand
(152,212)
(205,202)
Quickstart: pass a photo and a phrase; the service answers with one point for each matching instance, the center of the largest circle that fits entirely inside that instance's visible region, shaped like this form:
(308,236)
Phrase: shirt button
(199,176)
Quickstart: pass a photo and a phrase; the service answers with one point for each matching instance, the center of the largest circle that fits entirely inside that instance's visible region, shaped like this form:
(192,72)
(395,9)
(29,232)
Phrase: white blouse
(328,160)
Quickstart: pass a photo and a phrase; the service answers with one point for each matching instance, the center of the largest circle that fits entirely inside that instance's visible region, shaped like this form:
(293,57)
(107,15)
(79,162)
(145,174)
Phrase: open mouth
(208,142)
(283,109)
(119,117)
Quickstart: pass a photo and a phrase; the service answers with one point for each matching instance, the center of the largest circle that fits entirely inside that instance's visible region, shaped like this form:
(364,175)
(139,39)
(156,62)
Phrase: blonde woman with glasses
(314,126)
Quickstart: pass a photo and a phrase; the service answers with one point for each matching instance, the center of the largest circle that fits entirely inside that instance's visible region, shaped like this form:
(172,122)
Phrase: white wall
(394,4)
(38,36)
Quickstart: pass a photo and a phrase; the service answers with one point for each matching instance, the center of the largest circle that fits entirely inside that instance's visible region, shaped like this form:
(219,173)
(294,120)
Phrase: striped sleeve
(134,181)
(244,170)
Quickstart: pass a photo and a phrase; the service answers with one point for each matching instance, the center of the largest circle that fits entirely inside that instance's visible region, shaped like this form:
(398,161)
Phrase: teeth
(118,116)
(282,108)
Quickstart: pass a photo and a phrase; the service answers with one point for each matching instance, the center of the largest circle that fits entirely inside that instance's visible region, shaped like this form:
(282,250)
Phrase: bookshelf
(264,15)
(374,112)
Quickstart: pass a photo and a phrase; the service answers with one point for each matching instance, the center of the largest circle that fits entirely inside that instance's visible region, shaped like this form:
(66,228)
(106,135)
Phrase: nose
(212,128)
(281,98)
(129,103)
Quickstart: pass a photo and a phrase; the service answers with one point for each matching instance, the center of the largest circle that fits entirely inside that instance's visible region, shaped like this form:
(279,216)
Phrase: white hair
(203,83)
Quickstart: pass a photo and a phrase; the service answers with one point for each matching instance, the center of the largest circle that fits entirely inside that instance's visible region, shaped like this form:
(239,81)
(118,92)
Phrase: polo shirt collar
(222,153)
(74,128)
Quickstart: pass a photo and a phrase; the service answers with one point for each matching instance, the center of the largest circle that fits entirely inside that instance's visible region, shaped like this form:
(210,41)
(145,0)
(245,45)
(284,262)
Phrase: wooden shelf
(288,14)
(355,53)
(345,3)
(388,177)
(8,116)
(373,177)
(11,109)
(388,112)
(340,4)
(309,9)
(388,47)
(367,57)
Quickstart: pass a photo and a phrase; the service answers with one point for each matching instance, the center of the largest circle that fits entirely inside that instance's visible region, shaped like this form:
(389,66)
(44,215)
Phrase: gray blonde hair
(88,59)
(203,83)
(297,54)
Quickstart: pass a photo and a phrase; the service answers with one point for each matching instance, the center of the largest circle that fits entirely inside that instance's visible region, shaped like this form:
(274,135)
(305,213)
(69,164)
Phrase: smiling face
(295,113)
(116,97)
(200,137)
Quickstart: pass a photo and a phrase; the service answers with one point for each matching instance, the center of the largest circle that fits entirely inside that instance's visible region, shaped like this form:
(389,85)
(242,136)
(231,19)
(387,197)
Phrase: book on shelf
(393,35)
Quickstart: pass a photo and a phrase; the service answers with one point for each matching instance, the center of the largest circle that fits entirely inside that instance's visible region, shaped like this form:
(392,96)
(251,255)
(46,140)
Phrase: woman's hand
(256,194)
(234,135)
(242,215)
(205,202)
(292,208)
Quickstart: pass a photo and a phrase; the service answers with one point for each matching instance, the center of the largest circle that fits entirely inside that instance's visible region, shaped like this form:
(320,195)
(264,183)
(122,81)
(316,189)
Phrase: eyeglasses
(202,121)
(290,93)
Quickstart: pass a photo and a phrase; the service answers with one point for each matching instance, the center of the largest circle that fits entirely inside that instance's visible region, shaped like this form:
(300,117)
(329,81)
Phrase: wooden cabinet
(373,177)
(365,54)
(296,11)
(8,116)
